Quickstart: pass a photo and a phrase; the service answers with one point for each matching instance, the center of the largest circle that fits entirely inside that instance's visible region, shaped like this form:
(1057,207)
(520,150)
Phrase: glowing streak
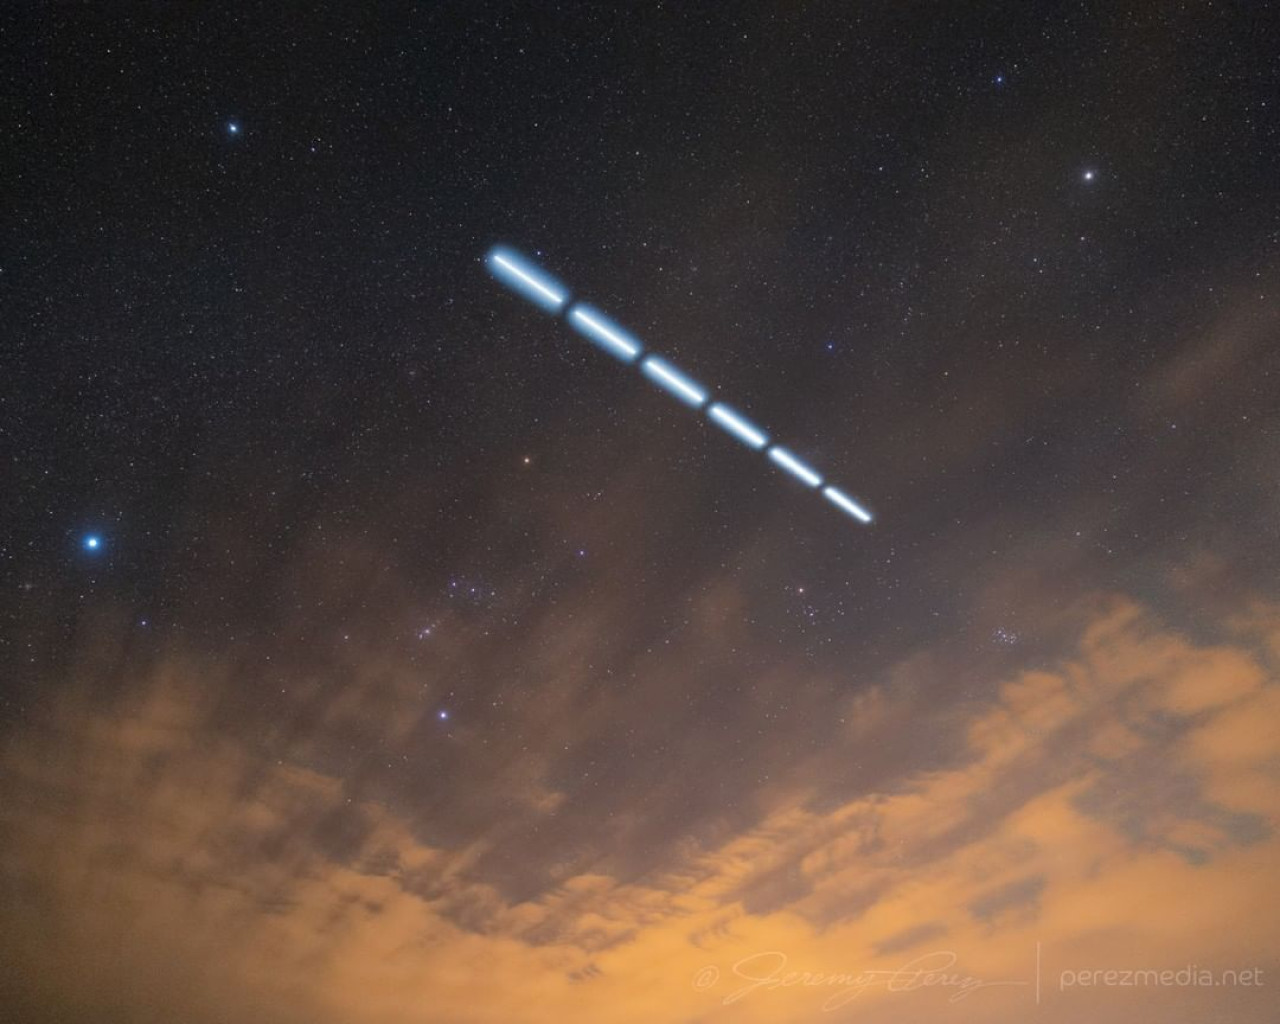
(737,426)
(546,292)
(845,502)
(672,380)
(603,333)
(794,466)
(535,286)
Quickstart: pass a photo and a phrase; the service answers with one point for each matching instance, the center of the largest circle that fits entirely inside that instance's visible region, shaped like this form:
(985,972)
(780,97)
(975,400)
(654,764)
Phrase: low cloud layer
(1114,808)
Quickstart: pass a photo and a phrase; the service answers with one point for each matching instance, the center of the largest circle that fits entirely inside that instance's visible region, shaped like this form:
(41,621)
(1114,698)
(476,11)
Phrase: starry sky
(374,648)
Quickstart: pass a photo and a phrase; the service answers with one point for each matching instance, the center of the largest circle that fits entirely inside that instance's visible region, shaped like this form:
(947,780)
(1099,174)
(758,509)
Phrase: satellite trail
(549,295)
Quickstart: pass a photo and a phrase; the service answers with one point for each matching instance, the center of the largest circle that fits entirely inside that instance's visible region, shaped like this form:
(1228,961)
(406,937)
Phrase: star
(233,127)
(1089,175)
(999,79)
(443,715)
(92,542)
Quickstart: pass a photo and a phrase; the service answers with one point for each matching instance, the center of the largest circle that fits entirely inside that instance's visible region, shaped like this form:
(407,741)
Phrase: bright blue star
(442,715)
(999,79)
(1089,175)
(233,127)
(92,542)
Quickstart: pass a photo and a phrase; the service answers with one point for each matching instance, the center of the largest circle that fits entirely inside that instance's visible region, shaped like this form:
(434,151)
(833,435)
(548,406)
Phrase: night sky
(374,648)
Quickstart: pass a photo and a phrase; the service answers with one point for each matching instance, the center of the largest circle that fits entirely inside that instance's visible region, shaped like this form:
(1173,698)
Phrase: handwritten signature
(766,971)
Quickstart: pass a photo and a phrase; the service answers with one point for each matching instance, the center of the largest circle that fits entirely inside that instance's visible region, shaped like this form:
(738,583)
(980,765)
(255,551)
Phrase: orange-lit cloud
(1115,810)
